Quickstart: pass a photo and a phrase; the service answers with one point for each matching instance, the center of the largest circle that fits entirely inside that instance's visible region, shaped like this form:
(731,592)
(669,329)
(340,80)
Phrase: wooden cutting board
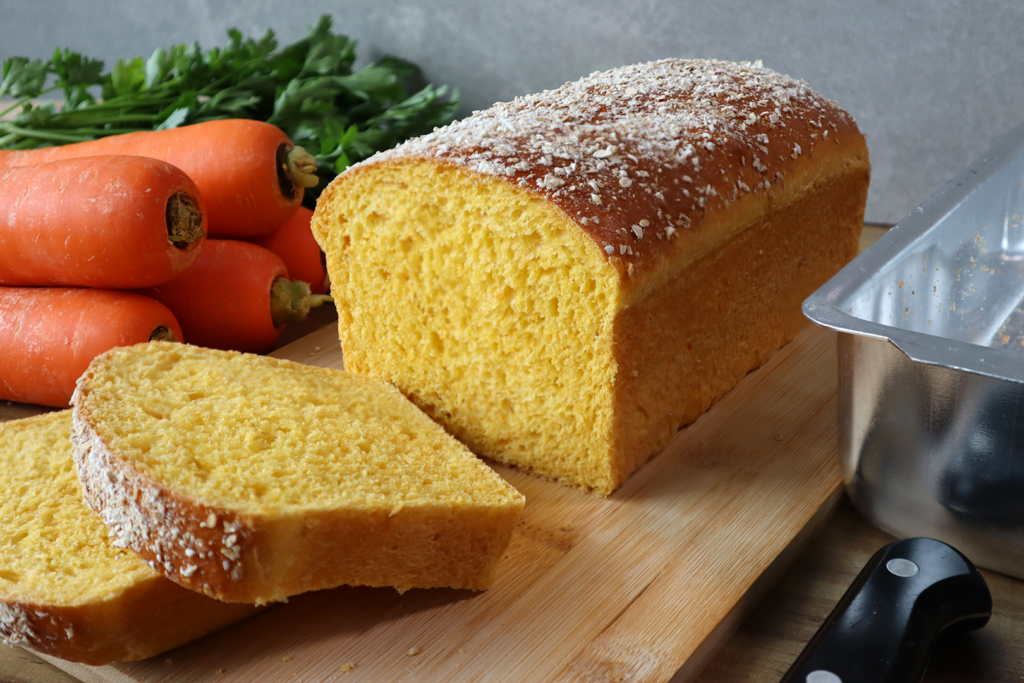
(645,585)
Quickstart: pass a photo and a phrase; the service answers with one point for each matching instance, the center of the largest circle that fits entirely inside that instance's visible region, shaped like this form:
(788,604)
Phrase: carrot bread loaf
(65,589)
(564,280)
(252,478)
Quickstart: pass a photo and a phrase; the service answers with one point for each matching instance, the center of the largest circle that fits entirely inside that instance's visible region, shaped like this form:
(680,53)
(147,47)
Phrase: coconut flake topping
(635,132)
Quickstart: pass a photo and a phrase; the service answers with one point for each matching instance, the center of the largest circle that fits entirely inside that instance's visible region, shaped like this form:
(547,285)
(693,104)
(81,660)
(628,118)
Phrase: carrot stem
(163,334)
(290,301)
(184,221)
(300,167)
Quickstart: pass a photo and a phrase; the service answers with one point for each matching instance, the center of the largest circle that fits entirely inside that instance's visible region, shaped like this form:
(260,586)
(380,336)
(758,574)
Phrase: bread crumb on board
(346,667)
(413,651)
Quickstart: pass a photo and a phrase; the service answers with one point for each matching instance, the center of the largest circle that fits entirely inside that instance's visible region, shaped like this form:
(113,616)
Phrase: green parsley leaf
(308,89)
(23,77)
(174,119)
(126,78)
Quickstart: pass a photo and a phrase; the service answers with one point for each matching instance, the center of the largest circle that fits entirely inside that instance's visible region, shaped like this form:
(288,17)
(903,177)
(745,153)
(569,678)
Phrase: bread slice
(252,479)
(65,589)
(565,279)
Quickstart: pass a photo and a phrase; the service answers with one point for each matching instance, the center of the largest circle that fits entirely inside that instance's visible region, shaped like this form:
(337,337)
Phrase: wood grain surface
(769,640)
(641,641)
(633,587)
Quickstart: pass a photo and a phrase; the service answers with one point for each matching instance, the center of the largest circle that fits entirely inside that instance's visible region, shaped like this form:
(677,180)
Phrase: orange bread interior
(65,589)
(564,280)
(252,478)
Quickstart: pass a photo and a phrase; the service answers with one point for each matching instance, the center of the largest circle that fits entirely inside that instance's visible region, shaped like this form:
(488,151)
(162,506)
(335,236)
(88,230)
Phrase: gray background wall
(932,83)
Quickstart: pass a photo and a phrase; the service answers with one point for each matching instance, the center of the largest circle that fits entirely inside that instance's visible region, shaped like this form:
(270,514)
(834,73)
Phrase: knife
(883,629)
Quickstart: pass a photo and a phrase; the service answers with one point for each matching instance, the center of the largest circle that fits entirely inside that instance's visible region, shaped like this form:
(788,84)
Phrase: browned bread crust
(136,615)
(195,545)
(660,162)
(145,620)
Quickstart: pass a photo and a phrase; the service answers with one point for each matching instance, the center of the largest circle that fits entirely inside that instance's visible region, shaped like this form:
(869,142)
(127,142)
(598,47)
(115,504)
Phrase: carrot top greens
(307,89)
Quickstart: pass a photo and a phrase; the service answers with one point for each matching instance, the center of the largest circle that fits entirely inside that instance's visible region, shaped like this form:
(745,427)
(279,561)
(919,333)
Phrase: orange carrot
(48,336)
(250,174)
(295,244)
(236,296)
(114,222)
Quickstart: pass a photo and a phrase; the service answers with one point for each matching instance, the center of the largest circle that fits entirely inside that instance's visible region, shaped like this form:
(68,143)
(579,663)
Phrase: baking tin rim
(822,307)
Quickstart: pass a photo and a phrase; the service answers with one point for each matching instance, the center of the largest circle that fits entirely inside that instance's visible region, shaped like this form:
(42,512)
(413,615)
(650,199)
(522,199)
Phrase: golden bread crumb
(258,478)
(564,280)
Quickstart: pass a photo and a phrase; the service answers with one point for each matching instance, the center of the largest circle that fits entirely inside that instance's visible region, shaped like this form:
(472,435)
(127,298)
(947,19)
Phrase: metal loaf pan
(931,365)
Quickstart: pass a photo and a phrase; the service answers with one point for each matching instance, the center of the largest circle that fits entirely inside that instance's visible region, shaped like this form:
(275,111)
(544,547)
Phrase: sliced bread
(65,589)
(252,478)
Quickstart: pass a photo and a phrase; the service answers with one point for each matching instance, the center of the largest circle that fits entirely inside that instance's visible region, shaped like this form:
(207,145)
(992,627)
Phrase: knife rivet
(902,568)
(822,676)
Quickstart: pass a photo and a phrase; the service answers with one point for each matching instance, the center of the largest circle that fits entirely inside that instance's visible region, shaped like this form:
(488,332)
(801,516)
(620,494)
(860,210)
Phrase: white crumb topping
(144,518)
(15,625)
(622,138)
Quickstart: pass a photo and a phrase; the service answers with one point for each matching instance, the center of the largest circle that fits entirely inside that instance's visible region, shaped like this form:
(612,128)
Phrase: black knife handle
(883,629)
